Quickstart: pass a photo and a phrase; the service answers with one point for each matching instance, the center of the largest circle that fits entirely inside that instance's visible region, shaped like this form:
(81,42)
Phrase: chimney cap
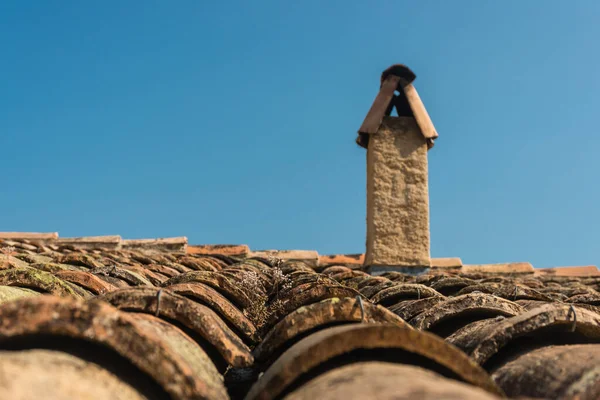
(401,71)
(396,78)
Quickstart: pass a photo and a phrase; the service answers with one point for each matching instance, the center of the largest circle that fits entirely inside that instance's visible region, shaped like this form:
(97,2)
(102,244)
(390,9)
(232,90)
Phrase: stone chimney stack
(397,188)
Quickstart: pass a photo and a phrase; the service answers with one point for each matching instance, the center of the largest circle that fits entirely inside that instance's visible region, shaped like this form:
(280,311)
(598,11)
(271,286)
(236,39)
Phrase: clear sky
(234,122)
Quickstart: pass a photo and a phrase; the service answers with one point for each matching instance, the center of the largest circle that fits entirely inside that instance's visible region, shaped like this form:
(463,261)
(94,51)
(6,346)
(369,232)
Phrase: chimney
(397,188)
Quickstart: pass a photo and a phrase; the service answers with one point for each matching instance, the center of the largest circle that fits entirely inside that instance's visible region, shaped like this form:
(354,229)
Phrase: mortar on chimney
(397,179)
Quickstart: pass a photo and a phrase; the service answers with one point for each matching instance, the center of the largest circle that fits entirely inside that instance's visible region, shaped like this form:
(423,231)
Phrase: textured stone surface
(397,195)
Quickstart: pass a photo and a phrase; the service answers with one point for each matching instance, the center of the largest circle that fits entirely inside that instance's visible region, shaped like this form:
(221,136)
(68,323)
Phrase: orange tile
(310,257)
(172,244)
(29,235)
(589,270)
(447,262)
(342,259)
(224,249)
(504,268)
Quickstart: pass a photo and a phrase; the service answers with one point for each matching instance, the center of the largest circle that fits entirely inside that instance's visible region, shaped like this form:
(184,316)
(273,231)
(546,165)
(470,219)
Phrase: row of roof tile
(311,258)
(177,325)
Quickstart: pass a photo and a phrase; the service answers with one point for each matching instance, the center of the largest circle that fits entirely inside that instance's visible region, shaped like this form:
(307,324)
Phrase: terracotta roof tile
(356,259)
(309,257)
(90,242)
(589,270)
(328,344)
(29,235)
(224,249)
(172,244)
(449,262)
(217,321)
(506,268)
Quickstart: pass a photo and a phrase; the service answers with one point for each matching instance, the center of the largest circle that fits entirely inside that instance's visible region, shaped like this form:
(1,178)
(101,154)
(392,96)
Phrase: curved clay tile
(428,279)
(206,295)
(371,290)
(120,283)
(114,258)
(155,279)
(290,266)
(341,276)
(224,259)
(162,351)
(303,283)
(449,286)
(408,309)
(200,263)
(293,275)
(507,291)
(265,268)
(357,280)
(398,276)
(496,279)
(403,291)
(554,372)
(164,257)
(80,260)
(372,281)
(34,258)
(54,267)
(220,261)
(589,307)
(533,283)
(318,316)
(130,277)
(386,381)
(530,304)
(568,291)
(141,258)
(86,280)
(9,293)
(336,269)
(475,326)
(259,268)
(196,317)
(218,282)
(259,260)
(592,299)
(182,269)
(237,276)
(40,281)
(54,374)
(313,293)
(162,269)
(555,323)
(374,342)
(593,282)
(447,317)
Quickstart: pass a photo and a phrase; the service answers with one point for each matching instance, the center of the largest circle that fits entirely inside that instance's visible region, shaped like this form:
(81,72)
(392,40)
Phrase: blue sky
(235,122)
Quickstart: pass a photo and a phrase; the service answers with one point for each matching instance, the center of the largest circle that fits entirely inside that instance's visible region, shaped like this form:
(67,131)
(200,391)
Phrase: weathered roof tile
(505,268)
(213,302)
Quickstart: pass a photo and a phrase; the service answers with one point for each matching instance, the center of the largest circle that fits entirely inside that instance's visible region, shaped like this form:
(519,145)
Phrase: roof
(122,319)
